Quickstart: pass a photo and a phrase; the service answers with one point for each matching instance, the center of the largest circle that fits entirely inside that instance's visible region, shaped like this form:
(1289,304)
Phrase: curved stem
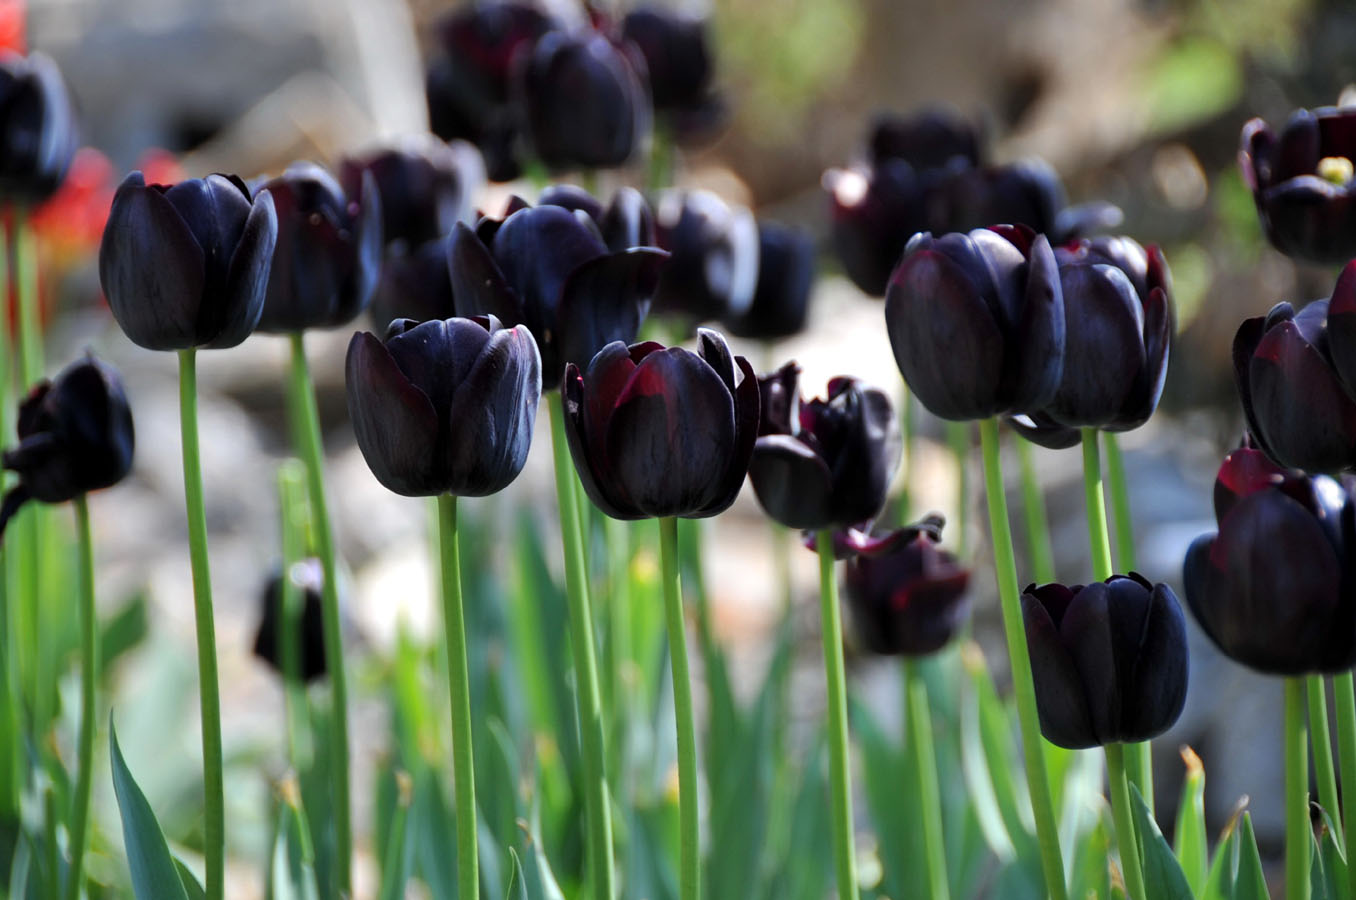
(313,454)
(1126,841)
(1317,696)
(1298,834)
(592,731)
(840,779)
(925,760)
(459,687)
(690,863)
(89,662)
(1344,698)
(214,824)
(1033,511)
(1024,689)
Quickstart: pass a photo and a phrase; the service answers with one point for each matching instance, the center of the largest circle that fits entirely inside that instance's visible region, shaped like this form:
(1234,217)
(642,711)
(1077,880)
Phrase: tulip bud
(75,436)
(37,128)
(1273,588)
(829,462)
(328,254)
(444,406)
(187,265)
(658,432)
(786,273)
(307,578)
(1109,660)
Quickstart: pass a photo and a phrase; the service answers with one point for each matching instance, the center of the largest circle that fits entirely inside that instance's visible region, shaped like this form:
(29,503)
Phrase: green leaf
(291,875)
(1333,859)
(1189,838)
(191,886)
(516,889)
(892,799)
(154,874)
(122,631)
(1251,883)
(1236,872)
(1163,877)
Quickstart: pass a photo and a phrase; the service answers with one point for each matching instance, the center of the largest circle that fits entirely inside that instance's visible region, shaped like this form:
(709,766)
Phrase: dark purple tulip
(1273,588)
(1306,213)
(678,59)
(328,254)
(825,463)
(927,139)
(907,596)
(414,286)
(187,265)
(786,273)
(549,269)
(624,223)
(714,270)
(583,101)
(1285,365)
(424,187)
(977,322)
(658,432)
(308,579)
(444,407)
(75,436)
(874,211)
(37,128)
(1109,660)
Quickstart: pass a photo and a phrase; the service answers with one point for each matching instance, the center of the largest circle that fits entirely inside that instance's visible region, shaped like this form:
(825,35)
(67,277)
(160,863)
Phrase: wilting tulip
(977,322)
(678,61)
(75,436)
(548,269)
(714,270)
(786,273)
(423,185)
(444,407)
(1273,589)
(187,265)
(307,578)
(37,128)
(1289,368)
(583,101)
(907,596)
(1109,660)
(328,254)
(1301,182)
(1118,326)
(658,432)
(826,463)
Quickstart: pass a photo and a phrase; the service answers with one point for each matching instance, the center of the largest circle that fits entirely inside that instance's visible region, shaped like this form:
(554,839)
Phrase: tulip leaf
(1328,865)
(533,877)
(154,873)
(1091,876)
(1163,876)
(1190,843)
(398,852)
(893,802)
(804,874)
(1236,871)
(192,888)
(291,874)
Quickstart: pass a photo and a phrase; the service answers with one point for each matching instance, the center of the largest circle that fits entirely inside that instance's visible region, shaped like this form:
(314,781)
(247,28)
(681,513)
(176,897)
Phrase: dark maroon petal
(792,482)
(492,414)
(746,405)
(605,300)
(1248,336)
(1244,472)
(592,467)
(478,285)
(628,221)
(1256,150)
(1341,327)
(713,348)
(1035,354)
(1148,384)
(1307,420)
(1104,346)
(537,249)
(394,422)
(1298,152)
(247,279)
(608,375)
(1161,672)
(437,356)
(1040,429)
(1311,218)
(1061,704)
(368,241)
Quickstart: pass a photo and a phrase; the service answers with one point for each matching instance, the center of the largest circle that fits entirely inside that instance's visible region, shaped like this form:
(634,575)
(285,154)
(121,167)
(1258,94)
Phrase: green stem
(290,476)
(1033,511)
(925,759)
(618,629)
(840,778)
(1298,834)
(1095,503)
(30,324)
(313,454)
(1024,689)
(1126,841)
(29,525)
(1344,698)
(459,686)
(1317,695)
(958,437)
(214,824)
(89,653)
(592,731)
(690,861)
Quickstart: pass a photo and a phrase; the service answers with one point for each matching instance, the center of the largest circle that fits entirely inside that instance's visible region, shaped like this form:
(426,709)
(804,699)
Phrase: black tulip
(977,322)
(75,436)
(1273,588)
(549,269)
(187,265)
(625,222)
(414,286)
(678,60)
(658,432)
(307,578)
(830,461)
(444,407)
(37,128)
(1109,660)
(328,255)
(583,102)
(713,272)
(424,187)
(786,273)
(928,139)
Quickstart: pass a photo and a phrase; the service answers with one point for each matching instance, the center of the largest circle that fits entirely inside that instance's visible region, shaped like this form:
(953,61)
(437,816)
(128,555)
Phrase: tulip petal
(746,400)
(1148,385)
(492,414)
(1159,685)
(247,278)
(537,249)
(605,300)
(395,424)
(792,482)
(478,286)
(1341,327)
(1308,420)
(1061,705)
(367,242)
(1040,429)
(1104,345)
(437,356)
(151,268)
(590,464)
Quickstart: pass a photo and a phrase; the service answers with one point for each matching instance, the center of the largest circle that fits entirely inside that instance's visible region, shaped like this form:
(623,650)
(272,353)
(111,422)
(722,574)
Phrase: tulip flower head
(307,577)
(1109,660)
(977,322)
(678,60)
(1273,588)
(424,187)
(37,128)
(444,407)
(187,265)
(75,436)
(824,463)
(786,274)
(714,270)
(658,432)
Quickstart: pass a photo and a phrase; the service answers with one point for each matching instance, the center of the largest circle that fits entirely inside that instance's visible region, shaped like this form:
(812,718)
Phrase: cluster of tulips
(1002,305)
